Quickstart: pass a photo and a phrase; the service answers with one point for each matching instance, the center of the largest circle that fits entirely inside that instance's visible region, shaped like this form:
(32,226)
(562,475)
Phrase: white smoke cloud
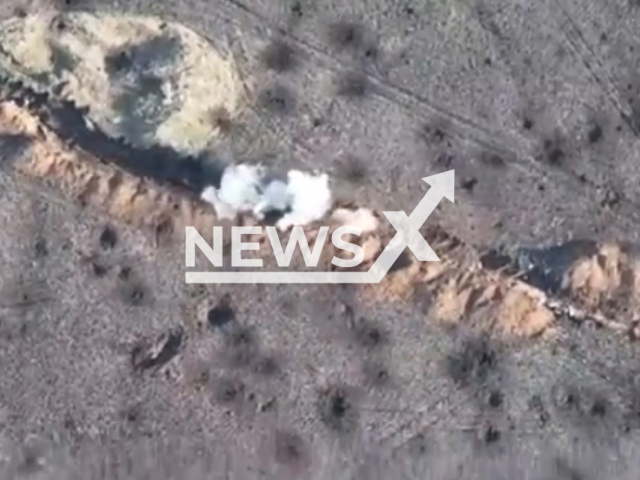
(304,198)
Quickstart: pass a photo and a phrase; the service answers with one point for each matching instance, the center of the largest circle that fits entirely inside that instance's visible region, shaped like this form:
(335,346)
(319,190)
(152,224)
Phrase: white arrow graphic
(442,185)
(408,235)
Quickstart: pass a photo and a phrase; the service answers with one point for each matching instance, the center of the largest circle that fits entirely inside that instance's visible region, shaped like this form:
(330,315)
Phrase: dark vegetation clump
(432,134)
(133,293)
(241,347)
(468,184)
(492,159)
(376,374)
(353,170)
(13,145)
(595,134)
(221,120)
(296,10)
(279,56)
(368,335)
(41,248)
(222,314)
(345,35)
(148,355)
(98,269)
(108,238)
(336,410)
(496,399)
(553,152)
(278,99)
(266,366)
(289,448)
(492,435)
(472,363)
(352,85)
(228,390)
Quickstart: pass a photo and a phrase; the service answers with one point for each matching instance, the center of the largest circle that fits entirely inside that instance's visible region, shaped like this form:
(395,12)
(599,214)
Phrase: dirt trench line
(459,289)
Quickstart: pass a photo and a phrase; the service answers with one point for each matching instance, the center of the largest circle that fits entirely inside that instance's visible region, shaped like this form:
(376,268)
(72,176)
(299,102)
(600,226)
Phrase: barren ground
(113,367)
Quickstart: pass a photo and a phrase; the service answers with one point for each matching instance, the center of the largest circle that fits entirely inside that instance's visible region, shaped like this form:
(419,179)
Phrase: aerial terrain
(513,357)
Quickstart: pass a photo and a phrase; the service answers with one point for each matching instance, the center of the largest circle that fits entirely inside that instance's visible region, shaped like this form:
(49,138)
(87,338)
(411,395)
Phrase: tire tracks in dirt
(414,105)
(578,45)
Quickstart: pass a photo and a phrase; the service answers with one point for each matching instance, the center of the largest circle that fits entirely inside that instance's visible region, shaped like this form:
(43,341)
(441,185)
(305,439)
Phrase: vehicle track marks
(414,105)
(578,45)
